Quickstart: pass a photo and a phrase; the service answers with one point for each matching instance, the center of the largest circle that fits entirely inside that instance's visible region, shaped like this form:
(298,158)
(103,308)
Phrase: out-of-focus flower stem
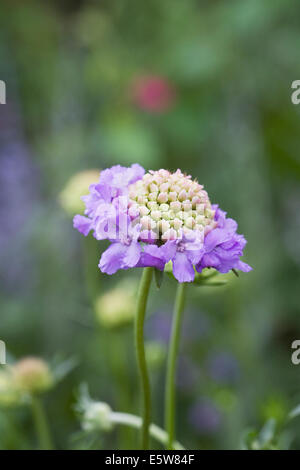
(92,273)
(171,364)
(136,422)
(140,351)
(41,424)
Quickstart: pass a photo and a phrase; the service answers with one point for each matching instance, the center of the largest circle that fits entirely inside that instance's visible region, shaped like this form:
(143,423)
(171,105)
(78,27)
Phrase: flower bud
(9,394)
(32,375)
(96,417)
(116,307)
(144,210)
(77,186)
(163,197)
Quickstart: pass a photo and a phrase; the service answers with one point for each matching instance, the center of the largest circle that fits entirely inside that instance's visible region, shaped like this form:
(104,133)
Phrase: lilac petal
(208,261)
(216,237)
(220,216)
(157,256)
(243,267)
(230,225)
(168,250)
(132,255)
(82,224)
(194,250)
(148,236)
(165,252)
(182,268)
(112,259)
(194,255)
(147,260)
(137,174)
(104,191)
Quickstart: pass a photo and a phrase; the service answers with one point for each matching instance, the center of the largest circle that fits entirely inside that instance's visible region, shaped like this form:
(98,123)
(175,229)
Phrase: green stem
(140,352)
(41,424)
(171,364)
(136,422)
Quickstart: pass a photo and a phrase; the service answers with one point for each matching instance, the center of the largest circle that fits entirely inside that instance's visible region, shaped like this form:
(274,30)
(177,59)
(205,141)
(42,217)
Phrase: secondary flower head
(153,93)
(158,217)
(96,417)
(9,394)
(116,307)
(77,186)
(32,375)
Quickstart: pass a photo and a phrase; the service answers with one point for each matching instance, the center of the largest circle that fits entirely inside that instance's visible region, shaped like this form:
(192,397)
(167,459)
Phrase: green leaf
(295,412)
(266,434)
(159,276)
(62,369)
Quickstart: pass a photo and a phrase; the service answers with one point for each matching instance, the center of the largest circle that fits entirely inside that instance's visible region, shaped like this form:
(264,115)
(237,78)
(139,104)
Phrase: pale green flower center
(169,203)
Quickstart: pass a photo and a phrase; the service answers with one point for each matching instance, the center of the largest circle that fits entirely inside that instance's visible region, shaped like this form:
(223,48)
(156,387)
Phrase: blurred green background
(198,85)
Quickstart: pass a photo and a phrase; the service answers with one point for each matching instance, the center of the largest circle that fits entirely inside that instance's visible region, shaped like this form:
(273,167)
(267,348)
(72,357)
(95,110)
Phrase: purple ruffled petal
(182,268)
(132,255)
(223,247)
(157,256)
(112,259)
(243,267)
(82,224)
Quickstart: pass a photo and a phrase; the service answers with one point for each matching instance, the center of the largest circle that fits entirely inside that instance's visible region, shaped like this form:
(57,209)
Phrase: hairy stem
(171,364)
(136,422)
(41,424)
(140,352)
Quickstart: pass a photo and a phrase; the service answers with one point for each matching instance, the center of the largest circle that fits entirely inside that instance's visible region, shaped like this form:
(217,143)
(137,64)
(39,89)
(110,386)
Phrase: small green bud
(97,417)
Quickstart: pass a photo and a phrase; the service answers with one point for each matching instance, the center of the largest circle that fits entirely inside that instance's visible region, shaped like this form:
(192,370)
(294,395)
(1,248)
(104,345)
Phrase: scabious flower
(157,217)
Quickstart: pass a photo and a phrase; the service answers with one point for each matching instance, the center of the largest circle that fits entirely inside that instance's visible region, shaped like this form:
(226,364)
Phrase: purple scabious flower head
(157,217)
(187,374)
(223,368)
(205,417)
(159,324)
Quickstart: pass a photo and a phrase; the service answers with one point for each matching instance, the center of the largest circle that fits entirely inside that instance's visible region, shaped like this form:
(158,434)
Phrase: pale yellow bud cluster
(116,307)
(169,203)
(77,186)
(9,395)
(32,375)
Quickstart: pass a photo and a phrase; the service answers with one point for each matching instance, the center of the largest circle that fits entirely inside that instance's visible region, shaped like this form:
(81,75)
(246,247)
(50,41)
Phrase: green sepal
(159,276)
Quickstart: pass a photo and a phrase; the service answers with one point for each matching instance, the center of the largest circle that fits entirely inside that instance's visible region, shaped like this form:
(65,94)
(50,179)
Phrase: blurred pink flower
(153,93)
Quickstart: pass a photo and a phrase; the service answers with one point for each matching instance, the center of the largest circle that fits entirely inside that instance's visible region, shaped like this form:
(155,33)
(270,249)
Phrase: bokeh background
(198,85)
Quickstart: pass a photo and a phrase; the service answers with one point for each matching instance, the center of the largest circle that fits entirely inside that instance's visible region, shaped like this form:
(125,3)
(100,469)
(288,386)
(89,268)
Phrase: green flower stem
(92,272)
(140,351)
(136,422)
(41,423)
(171,364)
